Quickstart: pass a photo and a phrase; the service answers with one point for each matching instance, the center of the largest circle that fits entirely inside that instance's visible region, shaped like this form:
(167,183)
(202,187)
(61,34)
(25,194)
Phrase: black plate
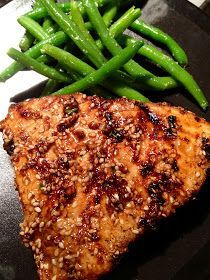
(180,249)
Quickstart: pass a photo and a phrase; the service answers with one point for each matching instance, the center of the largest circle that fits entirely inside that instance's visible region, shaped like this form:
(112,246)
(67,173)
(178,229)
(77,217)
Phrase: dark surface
(180,249)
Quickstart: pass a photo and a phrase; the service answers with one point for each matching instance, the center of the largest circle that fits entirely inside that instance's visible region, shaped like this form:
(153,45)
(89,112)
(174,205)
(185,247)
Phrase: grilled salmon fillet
(94,174)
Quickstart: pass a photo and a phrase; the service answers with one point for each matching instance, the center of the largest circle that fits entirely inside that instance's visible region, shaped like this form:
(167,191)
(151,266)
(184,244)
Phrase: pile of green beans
(81,46)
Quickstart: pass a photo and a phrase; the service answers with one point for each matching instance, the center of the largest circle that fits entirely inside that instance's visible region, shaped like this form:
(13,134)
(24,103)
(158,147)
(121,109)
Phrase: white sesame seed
(171,199)
(146,208)
(38,177)
(35,204)
(37,250)
(116,196)
(49,223)
(45,265)
(68,257)
(26,229)
(121,222)
(135,231)
(95,251)
(54,261)
(54,277)
(30,195)
(56,252)
(60,259)
(37,209)
(61,245)
(41,224)
(197,174)
(48,237)
(34,225)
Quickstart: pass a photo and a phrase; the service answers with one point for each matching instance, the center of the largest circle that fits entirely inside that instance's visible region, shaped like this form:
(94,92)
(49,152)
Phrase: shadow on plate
(33,92)
(154,243)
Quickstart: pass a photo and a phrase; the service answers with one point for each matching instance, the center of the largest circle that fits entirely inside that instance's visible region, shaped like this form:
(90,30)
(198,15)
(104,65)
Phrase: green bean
(108,16)
(50,87)
(34,52)
(36,66)
(45,59)
(36,4)
(119,26)
(75,65)
(71,62)
(101,74)
(33,27)
(42,12)
(73,31)
(100,91)
(78,19)
(159,36)
(133,68)
(110,13)
(172,67)
(123,90)
(26,41)
(49,26)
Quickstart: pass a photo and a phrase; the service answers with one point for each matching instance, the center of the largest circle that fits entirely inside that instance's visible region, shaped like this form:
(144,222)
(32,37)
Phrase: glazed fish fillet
(94,174)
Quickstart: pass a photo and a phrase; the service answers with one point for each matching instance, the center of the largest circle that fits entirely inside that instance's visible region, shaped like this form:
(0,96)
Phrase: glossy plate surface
(180,249)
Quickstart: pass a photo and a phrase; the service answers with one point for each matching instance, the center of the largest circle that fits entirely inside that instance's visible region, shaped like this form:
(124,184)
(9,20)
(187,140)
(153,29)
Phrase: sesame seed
(95,251)
(116,196)
(41,224)
(197,174)
(56,252)
(45,265)
(61,245)
(35,204)
(146,208)
(54,277)
(37,251)
(34,225)
(68,257)
(48,237)
(48,224)
(135,231)
(171,199)
(38,177)
(121,222)
(26,229)
(54,261)
(37,209)
(30,195)
(60,259)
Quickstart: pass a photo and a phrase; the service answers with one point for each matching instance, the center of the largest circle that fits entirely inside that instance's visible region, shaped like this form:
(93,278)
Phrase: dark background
(180,248)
